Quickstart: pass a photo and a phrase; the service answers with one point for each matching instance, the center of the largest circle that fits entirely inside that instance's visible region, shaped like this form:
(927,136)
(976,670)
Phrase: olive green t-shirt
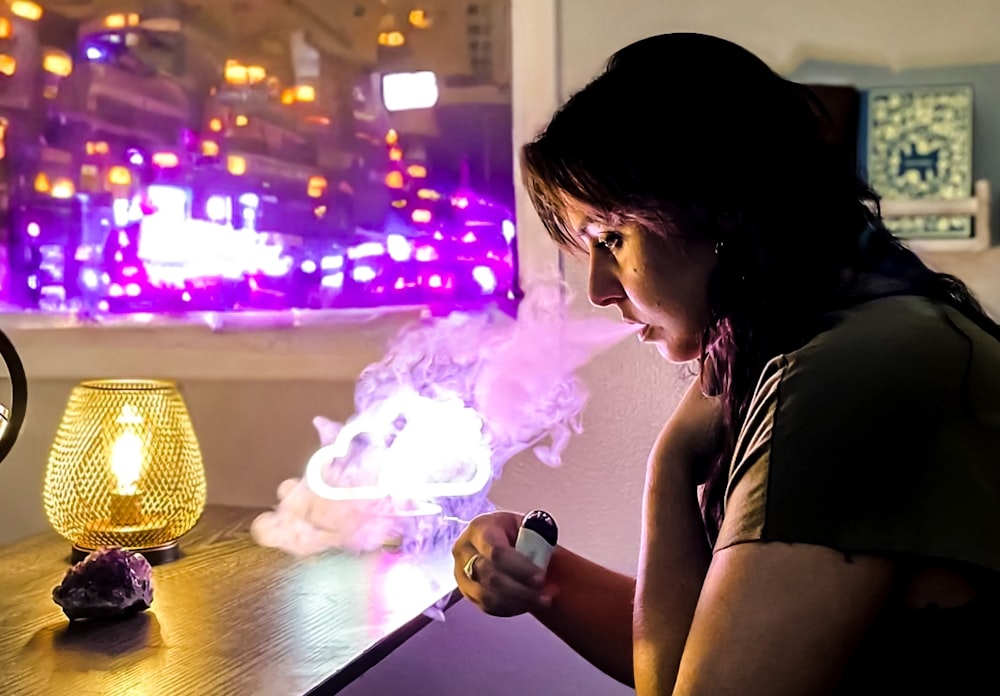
(881,435)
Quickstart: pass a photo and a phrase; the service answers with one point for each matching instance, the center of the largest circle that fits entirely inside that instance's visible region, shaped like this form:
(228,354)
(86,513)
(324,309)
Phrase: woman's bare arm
(675,552)
(592,612)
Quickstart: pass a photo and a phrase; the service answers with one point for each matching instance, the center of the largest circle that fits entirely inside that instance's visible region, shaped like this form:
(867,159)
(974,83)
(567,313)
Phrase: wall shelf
(977,207)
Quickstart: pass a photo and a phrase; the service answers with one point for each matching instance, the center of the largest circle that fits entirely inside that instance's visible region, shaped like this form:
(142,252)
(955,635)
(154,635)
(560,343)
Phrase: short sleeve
(880,436)
(746,489)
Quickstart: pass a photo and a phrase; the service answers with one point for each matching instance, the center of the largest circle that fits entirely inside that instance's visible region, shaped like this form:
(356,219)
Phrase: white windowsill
(281,345)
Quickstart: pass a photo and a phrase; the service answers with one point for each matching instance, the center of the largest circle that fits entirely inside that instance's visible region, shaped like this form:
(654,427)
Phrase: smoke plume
(435,421)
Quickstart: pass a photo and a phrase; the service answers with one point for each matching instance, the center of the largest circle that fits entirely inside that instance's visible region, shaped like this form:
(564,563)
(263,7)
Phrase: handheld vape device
(537,537)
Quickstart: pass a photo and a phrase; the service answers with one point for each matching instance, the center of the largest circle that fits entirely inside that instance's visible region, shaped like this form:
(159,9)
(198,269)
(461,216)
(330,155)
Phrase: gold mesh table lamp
(125,469)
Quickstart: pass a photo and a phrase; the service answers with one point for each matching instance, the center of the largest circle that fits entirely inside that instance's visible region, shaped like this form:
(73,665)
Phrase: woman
(845,422)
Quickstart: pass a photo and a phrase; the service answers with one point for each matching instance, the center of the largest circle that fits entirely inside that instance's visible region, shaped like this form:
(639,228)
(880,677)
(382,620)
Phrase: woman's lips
(643,331)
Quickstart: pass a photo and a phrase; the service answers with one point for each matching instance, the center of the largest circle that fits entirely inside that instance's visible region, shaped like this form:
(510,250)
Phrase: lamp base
(156,555)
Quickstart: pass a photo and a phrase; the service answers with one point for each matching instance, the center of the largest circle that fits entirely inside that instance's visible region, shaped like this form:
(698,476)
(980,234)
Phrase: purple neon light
(161,258)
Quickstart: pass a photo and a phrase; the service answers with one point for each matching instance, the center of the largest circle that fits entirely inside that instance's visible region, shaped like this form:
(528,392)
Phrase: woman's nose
(603,288)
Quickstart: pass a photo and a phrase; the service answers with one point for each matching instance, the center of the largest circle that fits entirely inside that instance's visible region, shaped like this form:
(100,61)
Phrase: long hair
(693,136)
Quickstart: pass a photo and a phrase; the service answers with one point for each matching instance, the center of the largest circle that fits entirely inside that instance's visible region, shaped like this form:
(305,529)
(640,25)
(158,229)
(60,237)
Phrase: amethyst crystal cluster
(107,583)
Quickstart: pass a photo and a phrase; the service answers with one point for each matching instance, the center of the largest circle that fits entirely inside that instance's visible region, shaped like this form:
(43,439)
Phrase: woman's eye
(608,241)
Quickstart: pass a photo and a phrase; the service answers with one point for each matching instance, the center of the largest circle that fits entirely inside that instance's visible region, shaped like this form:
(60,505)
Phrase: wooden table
(229,617)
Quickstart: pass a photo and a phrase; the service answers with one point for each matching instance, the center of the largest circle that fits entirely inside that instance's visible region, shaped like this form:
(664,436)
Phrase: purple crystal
(107,583)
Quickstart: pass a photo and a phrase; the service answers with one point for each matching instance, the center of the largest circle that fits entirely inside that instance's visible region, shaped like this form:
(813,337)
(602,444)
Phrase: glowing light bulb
(126,463)
(127,454)
(305,93)
(419,19)
(25,9)
(63,188)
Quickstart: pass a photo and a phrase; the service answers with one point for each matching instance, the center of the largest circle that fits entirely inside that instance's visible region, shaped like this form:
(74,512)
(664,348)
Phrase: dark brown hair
(692,134)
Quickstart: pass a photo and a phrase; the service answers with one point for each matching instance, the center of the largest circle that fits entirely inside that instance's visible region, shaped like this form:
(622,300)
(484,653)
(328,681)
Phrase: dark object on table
(108,583)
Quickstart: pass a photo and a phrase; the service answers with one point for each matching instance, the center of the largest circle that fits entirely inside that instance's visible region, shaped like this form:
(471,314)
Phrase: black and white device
(537,537)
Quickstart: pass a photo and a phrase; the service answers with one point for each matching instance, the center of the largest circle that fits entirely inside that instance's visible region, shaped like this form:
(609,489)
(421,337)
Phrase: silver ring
(470,567)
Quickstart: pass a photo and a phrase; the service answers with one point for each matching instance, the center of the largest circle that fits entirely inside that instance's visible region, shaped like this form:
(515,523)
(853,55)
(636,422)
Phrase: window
(320,349)
(479,33)
(326,176)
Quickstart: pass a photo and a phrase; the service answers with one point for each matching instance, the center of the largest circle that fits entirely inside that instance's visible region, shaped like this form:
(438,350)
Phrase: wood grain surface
(229,617)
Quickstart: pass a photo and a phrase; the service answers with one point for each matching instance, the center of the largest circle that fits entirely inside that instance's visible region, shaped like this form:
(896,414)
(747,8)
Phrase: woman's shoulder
(879,435)
(888,341)
(892,373)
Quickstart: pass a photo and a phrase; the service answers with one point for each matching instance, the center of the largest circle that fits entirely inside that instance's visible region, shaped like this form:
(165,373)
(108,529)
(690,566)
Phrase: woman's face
(659,282)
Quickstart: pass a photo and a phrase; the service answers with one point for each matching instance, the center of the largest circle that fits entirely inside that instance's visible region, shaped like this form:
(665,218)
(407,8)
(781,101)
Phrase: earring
(718,248)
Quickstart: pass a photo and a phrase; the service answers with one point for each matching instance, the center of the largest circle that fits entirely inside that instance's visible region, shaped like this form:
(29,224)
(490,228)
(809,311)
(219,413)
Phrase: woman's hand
(691,439)
(491,574)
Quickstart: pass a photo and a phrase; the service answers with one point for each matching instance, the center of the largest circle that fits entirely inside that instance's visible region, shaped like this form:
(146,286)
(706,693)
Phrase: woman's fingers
(499,593)
(492,574)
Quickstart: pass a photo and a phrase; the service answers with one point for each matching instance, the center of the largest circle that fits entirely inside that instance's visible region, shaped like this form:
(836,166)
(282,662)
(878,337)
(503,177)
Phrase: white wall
(254,434)
(895,33)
